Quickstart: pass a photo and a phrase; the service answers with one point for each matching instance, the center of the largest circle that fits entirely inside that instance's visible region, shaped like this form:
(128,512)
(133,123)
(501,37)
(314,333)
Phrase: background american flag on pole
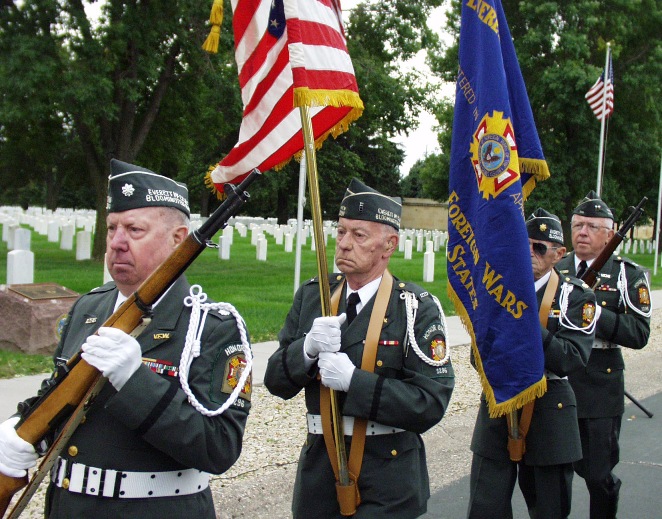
(289,53)
(602,91)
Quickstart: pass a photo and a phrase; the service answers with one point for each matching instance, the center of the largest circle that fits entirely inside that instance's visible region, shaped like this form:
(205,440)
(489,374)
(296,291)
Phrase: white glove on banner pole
(336,370)
(323,336)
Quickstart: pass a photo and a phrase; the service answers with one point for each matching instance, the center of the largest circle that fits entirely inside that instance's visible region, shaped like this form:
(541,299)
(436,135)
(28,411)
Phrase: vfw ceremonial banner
(289,53)
(496,159)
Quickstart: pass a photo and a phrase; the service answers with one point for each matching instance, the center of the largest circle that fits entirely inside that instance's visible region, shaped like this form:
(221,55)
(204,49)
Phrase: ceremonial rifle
(77,383)
(590,276)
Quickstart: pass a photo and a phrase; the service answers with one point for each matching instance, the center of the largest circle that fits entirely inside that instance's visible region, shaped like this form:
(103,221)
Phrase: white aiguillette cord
(199,310)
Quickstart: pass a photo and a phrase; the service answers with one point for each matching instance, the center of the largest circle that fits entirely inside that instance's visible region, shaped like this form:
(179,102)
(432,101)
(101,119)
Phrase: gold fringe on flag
(209,183)
(513,404)
(216,18)
(537,168)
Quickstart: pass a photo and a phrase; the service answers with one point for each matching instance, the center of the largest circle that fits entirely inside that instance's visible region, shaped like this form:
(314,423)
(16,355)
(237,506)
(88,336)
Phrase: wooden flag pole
(323,273)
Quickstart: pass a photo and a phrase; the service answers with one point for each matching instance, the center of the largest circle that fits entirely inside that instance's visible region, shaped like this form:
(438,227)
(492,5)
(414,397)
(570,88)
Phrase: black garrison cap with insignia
(544,226)
(132,187)
(364,203)
(593,206)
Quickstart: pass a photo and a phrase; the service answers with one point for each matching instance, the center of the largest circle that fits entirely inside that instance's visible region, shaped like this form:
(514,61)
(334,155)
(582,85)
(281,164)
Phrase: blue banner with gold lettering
(496,159)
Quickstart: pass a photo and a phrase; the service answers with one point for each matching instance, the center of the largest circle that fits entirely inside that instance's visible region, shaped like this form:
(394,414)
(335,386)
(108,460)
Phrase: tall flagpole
(323,274)
(301,202)
(657,219)
(603,121)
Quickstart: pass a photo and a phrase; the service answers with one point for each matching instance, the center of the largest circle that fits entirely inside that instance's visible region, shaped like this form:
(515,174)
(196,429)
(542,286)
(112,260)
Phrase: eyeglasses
(540,249)
(591,227)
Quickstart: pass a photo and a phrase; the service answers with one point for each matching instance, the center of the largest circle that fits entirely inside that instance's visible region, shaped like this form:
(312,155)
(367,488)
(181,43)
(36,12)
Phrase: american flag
(289,53)
(596,94)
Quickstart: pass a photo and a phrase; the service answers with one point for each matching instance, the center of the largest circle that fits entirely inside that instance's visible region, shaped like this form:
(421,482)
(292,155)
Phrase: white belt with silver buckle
(373,429)
(94,481)
(601,344)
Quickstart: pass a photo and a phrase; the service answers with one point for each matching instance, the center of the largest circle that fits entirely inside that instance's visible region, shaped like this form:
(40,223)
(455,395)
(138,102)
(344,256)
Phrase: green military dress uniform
(553,437)
(150,426)
(404,392)
(600,387)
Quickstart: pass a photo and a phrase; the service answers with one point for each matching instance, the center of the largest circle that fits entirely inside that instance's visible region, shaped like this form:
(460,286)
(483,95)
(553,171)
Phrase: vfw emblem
(494,155)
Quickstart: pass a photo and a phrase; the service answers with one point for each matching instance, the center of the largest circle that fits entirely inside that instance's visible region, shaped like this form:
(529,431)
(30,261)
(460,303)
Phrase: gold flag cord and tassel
(216,19)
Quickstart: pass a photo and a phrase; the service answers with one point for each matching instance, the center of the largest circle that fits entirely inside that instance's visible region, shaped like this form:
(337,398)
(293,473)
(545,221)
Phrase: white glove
(336,370)
(115,353)
(16,455)
(324,335)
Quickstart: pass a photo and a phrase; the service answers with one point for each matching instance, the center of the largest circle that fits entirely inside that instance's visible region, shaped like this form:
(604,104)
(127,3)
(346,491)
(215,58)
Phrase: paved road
(640,469)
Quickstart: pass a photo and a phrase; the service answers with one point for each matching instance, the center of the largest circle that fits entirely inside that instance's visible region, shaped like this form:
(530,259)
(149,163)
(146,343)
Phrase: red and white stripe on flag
(307,65)
(595,96)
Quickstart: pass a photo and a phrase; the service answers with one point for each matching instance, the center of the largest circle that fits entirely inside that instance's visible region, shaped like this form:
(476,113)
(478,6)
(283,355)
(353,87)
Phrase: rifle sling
(516,447)
(368,364)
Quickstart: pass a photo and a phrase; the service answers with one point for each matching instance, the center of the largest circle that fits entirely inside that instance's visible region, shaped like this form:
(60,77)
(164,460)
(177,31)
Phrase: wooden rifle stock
(590,276)
(74,382)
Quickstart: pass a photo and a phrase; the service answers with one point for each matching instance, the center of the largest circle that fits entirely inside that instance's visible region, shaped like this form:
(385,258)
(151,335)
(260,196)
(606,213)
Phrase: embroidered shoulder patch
(234,367)
(438,349)
(588,314)
(644,295)
(60,325)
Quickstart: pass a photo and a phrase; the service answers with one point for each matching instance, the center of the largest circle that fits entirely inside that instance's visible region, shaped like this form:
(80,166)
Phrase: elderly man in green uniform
(144,450)
(389,400)
(623,294)
(552,443)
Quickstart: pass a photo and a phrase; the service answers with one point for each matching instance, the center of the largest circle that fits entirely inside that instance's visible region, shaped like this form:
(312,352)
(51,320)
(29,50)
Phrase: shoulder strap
(368,364)
(516,446)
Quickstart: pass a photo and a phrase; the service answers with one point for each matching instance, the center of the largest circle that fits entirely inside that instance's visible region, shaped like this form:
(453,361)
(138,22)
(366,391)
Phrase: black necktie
(352,301)
(581,269)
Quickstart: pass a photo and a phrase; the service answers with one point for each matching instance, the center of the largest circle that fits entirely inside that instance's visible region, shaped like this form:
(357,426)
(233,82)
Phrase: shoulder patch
(234,367)
(60,325)
(588,314)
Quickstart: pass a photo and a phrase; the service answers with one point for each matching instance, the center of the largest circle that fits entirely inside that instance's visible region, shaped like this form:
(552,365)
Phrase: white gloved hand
(16,455)
(336,370)
(324,335)
(115,353)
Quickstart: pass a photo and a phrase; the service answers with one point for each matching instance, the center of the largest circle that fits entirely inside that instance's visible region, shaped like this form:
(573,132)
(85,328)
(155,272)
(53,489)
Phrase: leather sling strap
(368,364)
(515,447)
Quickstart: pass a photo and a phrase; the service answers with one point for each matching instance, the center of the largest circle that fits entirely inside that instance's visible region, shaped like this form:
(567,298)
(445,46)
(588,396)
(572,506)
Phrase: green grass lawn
(261,291)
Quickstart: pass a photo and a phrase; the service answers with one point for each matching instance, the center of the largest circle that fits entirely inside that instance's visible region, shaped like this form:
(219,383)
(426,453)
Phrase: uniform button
(567,280)
(401,285)
(84,419)
(604,303)
(394,452)
(559,405)
(338,277)
(65,483)
(608,370)
(72,450)
(385,320)
(379,363)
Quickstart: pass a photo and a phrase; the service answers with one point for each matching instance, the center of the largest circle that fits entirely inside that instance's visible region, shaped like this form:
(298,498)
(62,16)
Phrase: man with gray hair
(144,449)
(623,294)
(384,354)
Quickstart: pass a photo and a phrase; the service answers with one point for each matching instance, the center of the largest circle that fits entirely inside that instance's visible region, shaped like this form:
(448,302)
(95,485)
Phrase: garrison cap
(593,206)
(132,187)
(364,203)
(544,226)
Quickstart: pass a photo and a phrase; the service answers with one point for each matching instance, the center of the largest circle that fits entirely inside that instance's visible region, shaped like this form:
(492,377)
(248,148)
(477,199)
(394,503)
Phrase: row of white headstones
(69,226)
